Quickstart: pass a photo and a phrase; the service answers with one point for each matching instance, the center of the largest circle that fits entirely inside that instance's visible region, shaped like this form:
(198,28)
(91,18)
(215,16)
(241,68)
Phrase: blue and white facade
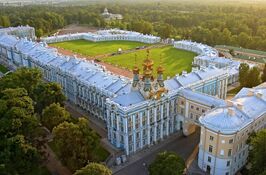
(105,35)
(137,113)
(20,31)
(209,56)
(229,65)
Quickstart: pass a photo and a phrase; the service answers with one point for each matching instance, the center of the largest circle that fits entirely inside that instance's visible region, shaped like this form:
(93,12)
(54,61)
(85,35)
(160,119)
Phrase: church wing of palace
(142,111)
(109,16)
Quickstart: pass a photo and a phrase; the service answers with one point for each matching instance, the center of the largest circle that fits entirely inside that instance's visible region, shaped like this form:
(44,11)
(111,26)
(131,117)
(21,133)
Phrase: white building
(105,35)
(20,31)
(109,16)
(225,130)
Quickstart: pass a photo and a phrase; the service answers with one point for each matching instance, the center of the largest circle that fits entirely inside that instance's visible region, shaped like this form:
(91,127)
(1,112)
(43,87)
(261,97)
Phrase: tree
(18,156)
(263,76)
(53,115)
(253,77)
(243,39)
(94,169)
(46,94)
(75,143)
(166,31)
(243,74)
(39,33)
(4,21)
(167,163)
(258,152)
(232,52)
(22,78)
(16,113)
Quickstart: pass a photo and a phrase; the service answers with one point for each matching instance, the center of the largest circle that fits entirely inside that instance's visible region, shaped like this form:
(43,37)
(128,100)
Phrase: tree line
(28,106)
(251,76)
(231,24)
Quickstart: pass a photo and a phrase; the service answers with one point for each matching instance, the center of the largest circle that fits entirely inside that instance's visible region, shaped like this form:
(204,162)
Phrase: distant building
(109,16)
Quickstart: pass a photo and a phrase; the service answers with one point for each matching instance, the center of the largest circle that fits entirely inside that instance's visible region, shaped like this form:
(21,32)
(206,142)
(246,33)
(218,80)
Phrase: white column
(134,132)
(112,127)
(141,130)
(126,135)
(155,124)
(167,120)
(117,131)
(149,127)
(162,121)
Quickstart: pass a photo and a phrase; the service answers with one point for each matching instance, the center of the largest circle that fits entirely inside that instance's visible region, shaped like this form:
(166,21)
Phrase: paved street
(181,145)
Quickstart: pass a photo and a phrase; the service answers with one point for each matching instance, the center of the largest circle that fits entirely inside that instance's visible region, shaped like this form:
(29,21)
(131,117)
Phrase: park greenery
(249,77)
(167,163)
(94,169)
(263,76)
(210,23)
(21,136)
(257,158)
(24,111)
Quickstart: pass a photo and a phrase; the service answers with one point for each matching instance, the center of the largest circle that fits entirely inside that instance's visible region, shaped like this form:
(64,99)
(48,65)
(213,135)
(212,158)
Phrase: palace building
(20,31)
(118,100)
(223,147)
(147,109)
(104,35)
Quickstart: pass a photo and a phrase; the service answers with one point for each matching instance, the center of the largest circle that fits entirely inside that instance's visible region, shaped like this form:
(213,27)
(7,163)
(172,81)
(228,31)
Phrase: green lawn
(3,69)
(173,60)
(89,48)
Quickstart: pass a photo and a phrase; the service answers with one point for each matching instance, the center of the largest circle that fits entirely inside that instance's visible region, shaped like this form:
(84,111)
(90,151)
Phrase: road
(183,146)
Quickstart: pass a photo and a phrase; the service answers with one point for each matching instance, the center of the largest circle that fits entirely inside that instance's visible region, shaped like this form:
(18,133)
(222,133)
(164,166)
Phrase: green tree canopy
(22,78)
(46,94)
(53,115)
(16,113)
(17,156)
(257,153)
(75,143)
(94,169)
(253,78)
(263,76)
(167,163)
(243,74)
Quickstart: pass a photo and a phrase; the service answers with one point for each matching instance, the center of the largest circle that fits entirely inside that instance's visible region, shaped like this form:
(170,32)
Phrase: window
(182,102)
(228,163)
(192,107)
(222,152)
(209,159)
(203,111)
(227,173)
(210,148)
(229,152)
(211,138)
(191,115)
(197,108)
(231,141)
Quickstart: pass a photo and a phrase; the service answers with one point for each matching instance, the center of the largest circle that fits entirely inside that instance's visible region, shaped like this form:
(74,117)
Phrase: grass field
(173,60)
(89,48)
